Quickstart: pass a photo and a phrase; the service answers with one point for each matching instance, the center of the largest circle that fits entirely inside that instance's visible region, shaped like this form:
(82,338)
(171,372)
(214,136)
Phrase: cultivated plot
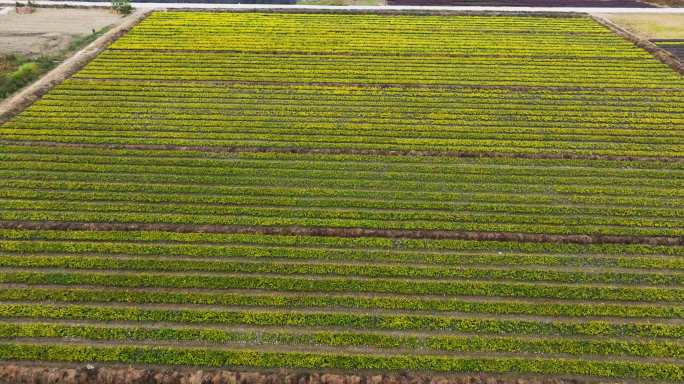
(433,193)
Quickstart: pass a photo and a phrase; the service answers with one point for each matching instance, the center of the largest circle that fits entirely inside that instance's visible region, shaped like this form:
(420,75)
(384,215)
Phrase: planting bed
(351,192)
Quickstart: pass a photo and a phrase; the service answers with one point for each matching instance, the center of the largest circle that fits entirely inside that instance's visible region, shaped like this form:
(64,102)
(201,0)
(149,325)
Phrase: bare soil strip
(69,373)
(345,151)
(346,232)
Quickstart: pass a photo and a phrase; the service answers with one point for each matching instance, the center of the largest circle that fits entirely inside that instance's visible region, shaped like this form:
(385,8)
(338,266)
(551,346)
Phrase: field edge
(70,373)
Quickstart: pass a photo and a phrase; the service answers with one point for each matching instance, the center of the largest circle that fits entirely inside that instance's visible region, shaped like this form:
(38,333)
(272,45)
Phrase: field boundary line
(344,151)
(347,232)
(19,101)
(39,372)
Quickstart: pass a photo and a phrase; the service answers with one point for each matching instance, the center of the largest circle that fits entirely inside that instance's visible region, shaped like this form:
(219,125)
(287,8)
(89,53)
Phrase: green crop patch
(434,193)
(523,85)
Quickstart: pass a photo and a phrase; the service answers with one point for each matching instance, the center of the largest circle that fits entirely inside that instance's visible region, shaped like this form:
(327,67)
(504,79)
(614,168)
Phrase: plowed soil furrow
(347,232)
(347,151)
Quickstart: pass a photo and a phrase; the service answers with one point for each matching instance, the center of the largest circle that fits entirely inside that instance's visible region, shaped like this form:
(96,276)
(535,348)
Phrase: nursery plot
(338,191)
(612,123)
(524,85)
(327,191)
(316,296)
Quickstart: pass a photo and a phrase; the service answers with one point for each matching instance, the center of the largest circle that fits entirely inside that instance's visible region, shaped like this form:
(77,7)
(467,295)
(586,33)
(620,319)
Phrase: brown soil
(90,374)
(49,30)
(345,232)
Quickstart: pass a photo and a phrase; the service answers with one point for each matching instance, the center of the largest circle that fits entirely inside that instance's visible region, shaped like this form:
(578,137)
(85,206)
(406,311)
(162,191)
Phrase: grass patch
(652,26)
(18,71)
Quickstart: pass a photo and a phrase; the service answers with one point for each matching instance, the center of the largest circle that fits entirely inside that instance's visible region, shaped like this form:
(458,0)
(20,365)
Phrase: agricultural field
(351,192)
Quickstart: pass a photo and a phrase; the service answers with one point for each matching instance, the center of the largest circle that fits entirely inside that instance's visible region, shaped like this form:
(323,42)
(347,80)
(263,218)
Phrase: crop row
(444,119)
(507,45)
(273,103)
(418,164)
(526,202)
(348,339)
(335,74)
(352,270)
(323,206)
(373,21)
(308,69)
(349,186)
(348,136)
(370,22)
(324,168)
(104,203)
(42,120)
(266,247)
(440,119)
(318,106)
(246,358)
(372,94)
(411,63)
(363,198)
(367,32)
(448,173)
(525,143)
(444,126)
(328,143)
(438,251)
(410,66)
(452,172)
(318,134)
(311,252)
(99,212)
(344,284)
(490,218)
(373,109)
(351,321)
(363,167)
(331,301)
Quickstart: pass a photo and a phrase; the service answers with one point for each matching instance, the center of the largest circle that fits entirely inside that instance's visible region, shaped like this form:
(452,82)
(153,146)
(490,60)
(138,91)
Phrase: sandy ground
(49,30)
(651,26)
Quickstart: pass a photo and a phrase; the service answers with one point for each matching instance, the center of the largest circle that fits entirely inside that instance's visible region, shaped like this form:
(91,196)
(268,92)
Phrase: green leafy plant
(122,6)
